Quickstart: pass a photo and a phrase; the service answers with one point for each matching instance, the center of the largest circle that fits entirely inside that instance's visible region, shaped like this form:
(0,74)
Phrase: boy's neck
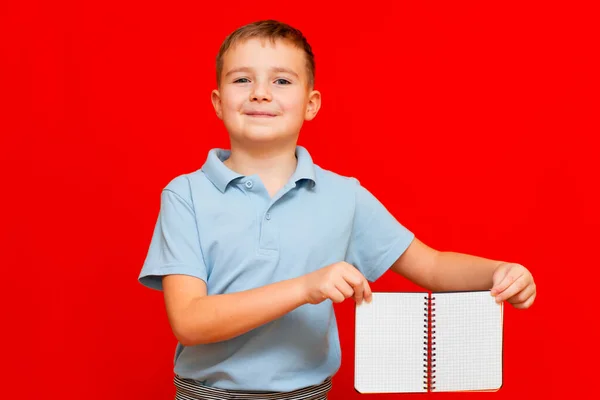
(274,166)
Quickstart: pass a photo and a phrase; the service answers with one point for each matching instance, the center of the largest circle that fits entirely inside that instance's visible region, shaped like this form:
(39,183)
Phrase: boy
(252,249)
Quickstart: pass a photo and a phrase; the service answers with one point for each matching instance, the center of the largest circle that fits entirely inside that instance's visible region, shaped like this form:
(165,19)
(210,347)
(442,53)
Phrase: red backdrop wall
(476,123)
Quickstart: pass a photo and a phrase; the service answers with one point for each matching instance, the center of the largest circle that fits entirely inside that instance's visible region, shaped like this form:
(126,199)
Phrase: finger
(355,279)
(336,296)
(527,303)
(329,291)
(344,288)
(353,276)
(523,294)
(498,279)
(359,293)
(367,293)
(506,282)
(516,285)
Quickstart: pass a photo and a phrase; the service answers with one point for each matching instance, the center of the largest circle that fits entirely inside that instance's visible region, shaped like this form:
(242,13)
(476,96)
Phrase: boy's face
(264,95)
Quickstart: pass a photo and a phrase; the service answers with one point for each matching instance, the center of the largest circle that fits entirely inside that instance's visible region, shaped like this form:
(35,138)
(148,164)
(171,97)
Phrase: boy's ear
(215,97)
(313,106)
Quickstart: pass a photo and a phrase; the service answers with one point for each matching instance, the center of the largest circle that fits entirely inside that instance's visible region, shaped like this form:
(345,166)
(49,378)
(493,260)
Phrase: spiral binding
(432,346)
(429,355)
(426,345)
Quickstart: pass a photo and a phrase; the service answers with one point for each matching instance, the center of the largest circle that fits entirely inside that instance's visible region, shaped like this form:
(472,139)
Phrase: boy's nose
(260,92)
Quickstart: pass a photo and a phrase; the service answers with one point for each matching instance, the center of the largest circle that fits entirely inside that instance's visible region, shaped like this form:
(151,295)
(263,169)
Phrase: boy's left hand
(513,283)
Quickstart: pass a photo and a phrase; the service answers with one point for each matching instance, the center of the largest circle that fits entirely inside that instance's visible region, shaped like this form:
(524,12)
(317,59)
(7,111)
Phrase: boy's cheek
(232,109)
(294,107)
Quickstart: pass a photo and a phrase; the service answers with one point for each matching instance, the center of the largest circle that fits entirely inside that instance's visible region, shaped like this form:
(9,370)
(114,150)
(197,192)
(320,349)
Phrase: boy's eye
(241,80)
(282,81)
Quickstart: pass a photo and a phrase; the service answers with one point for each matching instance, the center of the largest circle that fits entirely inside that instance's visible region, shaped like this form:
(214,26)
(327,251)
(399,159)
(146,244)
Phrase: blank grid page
(468,341)
(389,343)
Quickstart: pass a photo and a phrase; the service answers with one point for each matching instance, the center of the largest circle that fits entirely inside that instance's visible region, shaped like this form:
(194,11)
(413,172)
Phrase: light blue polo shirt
(225,229)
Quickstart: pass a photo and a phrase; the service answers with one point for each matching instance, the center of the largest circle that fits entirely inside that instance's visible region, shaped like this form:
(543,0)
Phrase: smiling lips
(260,114)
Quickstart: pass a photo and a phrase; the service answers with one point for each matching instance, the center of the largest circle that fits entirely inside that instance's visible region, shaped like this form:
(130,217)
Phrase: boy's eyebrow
(286,70)
(235,70)
(274,69)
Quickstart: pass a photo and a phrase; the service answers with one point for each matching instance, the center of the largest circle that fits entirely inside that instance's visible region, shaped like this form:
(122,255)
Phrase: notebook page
(468,340)
(390,337)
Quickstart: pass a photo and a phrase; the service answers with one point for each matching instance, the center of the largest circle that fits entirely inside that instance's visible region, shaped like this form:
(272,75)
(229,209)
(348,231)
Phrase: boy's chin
(266,136)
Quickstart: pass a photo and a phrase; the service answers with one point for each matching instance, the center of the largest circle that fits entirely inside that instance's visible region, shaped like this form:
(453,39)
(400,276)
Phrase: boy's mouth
(260,114)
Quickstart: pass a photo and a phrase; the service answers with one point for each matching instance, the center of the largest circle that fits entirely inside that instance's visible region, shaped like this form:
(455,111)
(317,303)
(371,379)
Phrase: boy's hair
(268,29)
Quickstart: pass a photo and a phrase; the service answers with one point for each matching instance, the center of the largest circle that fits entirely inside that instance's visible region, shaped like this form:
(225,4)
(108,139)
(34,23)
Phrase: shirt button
(268,216)
(249,184)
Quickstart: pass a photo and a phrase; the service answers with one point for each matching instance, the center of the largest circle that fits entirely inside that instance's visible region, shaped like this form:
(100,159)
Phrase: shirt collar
(220,175)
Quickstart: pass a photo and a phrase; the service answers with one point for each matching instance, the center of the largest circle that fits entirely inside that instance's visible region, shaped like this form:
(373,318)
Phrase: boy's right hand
(337,282)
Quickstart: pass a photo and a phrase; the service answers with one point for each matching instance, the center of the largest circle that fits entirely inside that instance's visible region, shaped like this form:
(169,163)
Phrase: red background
(475,123)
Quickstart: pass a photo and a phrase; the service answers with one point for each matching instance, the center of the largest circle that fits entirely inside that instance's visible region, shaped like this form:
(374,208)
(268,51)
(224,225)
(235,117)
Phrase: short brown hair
(268,29)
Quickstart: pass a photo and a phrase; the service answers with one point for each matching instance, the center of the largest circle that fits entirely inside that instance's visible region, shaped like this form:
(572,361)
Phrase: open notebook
(428,342)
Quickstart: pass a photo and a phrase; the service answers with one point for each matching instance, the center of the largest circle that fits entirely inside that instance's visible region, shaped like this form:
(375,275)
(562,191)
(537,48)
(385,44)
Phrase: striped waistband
(188,389)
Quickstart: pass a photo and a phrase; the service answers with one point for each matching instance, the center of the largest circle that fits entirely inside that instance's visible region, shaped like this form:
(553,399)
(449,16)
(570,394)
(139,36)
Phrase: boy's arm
(198,318)
(447,271)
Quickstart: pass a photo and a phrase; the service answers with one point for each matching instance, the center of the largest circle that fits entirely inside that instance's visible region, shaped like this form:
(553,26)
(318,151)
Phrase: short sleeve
(175,244)
(377,238)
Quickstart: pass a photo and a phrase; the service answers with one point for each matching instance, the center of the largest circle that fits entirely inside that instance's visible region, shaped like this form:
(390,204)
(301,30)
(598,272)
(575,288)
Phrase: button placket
(269,236)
